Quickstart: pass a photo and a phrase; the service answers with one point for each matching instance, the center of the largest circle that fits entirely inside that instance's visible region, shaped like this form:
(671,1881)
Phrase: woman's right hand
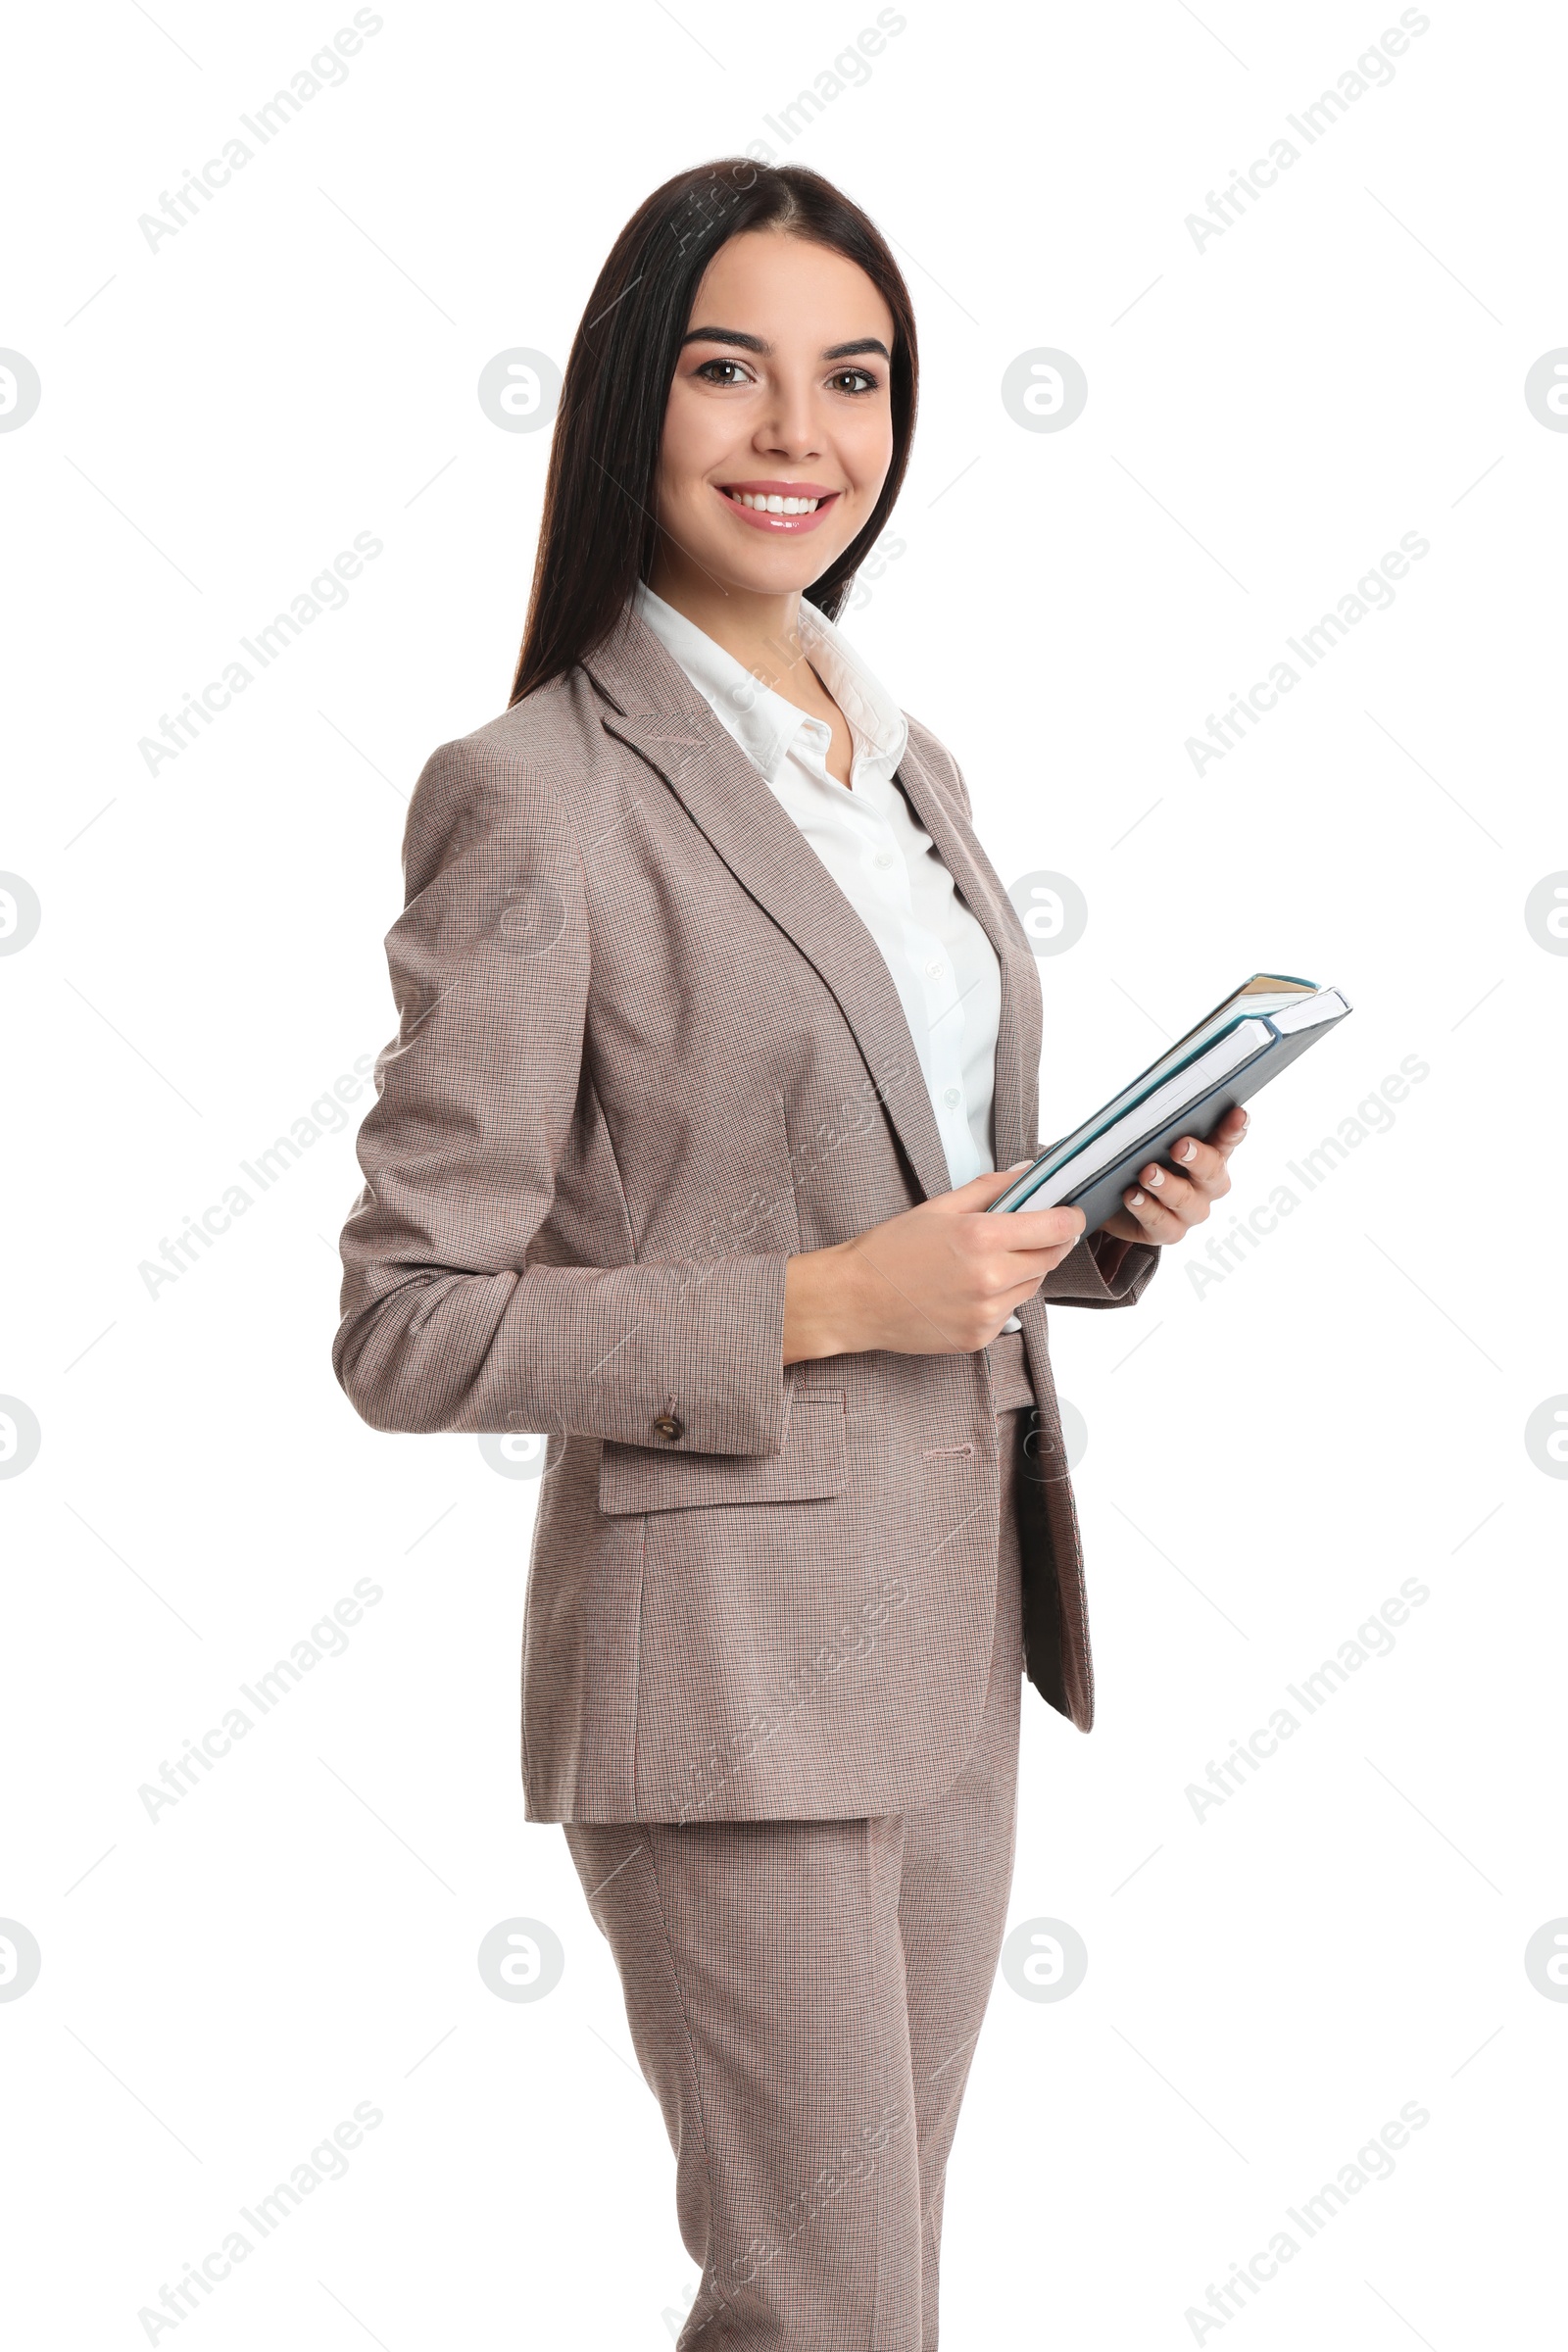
(938,1280)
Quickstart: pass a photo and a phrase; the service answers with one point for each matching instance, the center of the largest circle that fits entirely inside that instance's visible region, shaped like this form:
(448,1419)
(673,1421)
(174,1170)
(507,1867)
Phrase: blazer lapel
(657,711)
(1016,1083)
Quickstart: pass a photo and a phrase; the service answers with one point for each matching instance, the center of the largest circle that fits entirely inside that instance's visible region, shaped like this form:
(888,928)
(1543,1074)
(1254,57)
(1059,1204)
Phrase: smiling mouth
(772,502)
(779,505)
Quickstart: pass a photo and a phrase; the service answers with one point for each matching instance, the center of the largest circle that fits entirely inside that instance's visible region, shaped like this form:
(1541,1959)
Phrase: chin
(783,572)
(757,566)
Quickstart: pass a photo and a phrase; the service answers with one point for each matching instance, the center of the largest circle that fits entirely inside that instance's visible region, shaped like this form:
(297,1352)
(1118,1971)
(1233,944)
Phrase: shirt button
(933,971)
(884,858)
(952,1097)
(669,1425)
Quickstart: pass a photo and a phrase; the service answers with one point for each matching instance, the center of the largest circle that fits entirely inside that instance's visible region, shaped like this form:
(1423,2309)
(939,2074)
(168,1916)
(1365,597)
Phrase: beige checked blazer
(647,1051)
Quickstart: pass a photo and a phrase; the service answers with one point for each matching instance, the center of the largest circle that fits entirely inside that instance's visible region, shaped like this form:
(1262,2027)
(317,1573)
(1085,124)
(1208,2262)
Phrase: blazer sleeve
(451,1319)
(1102,1271)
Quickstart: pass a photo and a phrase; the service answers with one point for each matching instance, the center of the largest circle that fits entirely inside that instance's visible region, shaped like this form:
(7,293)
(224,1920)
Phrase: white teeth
(776,504)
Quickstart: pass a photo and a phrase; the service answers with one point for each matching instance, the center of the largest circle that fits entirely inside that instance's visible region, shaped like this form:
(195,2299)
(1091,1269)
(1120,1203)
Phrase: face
(782,392)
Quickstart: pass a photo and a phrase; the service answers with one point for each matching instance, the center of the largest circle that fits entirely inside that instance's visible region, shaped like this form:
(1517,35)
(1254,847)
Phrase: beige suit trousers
(805,1997)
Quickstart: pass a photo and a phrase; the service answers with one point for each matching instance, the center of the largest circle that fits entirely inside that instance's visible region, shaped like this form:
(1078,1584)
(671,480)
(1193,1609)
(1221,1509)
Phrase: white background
(1268,1458)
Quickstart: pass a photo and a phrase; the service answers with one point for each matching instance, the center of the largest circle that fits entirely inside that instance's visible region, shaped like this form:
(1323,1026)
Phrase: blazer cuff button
(670,1425)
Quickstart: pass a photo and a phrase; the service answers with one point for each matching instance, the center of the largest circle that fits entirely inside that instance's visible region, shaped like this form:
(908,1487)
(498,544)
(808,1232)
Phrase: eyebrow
(765,351)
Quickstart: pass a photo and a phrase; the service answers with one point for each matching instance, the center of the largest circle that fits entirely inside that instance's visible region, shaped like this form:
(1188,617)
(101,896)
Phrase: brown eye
(854,380)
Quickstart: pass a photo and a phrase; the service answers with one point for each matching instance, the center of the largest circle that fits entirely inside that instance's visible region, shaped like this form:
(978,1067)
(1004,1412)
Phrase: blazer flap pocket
(637,1478)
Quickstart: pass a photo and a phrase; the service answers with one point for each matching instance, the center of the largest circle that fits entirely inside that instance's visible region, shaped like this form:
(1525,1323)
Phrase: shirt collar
(763,722)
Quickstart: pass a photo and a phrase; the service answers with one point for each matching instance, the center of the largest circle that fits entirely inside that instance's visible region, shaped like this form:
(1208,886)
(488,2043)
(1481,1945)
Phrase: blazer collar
(655,708)
(762,722)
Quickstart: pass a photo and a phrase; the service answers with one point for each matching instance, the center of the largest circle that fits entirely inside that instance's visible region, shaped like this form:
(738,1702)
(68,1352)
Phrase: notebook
(1233,1052)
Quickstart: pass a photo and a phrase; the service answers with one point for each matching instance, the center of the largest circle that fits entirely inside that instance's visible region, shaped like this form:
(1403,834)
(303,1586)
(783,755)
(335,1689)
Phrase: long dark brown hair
(598,532)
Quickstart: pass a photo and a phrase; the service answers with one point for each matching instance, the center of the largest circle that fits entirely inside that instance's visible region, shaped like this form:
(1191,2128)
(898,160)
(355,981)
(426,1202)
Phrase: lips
(775,506)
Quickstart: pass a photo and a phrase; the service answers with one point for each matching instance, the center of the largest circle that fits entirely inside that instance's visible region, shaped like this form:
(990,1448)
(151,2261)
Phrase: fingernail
(1137,1200)
(1186,1150)
(1154,1177)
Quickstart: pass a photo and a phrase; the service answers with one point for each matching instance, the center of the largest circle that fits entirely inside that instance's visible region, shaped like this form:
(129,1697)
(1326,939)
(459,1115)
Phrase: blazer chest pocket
(813,1465)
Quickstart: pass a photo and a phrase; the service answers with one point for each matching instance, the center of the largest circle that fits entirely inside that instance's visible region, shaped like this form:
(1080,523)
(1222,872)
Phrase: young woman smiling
(718,1033)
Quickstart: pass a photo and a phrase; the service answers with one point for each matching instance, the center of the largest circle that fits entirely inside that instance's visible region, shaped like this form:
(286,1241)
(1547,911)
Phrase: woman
(716,1029)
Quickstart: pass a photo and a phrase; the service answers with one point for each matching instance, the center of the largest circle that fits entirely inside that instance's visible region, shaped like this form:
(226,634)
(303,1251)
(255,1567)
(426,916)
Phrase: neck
(763,633)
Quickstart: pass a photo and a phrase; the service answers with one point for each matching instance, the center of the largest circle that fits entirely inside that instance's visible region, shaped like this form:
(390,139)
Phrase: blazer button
(669,1425)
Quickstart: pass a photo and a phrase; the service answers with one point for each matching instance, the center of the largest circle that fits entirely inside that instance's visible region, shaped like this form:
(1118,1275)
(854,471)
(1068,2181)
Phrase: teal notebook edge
(1275,1051)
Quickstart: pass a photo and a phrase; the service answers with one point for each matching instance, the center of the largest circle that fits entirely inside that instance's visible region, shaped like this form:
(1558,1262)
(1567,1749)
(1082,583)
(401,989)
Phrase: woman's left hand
(1163,1205)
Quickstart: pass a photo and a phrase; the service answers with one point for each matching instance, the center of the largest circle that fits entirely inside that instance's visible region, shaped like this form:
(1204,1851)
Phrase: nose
(790,428)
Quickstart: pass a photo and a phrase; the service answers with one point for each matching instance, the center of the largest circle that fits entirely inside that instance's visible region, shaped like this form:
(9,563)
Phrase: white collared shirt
(940,963)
